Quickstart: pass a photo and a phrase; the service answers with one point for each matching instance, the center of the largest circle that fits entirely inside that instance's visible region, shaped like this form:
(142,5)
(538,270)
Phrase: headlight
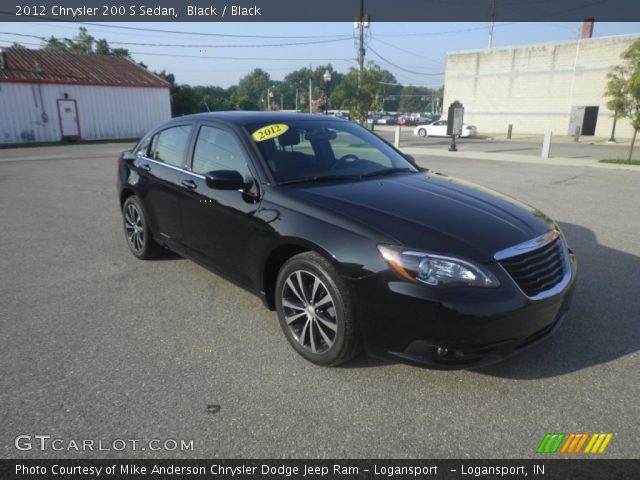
(435,269)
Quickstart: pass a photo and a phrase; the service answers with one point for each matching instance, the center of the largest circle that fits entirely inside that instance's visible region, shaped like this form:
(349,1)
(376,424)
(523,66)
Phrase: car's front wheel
(315,310)
(136,230)
(422,132)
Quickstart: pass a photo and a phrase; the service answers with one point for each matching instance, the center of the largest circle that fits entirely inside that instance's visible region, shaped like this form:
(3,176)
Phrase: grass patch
(621,161)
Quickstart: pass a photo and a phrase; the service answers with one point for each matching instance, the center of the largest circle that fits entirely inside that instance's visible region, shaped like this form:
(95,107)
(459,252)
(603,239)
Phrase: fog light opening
(442,351)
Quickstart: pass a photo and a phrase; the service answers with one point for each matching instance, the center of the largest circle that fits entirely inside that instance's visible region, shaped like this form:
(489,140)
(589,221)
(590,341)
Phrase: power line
(408,51)
(178,55)
(24,43)
(179,45)
(446,32)
(213,57)
(402,68)
(259,45)
(24,35)
(409,81)
(178,32)
(210,34)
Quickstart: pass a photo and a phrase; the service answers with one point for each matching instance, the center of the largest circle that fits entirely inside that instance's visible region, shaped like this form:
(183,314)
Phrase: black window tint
(169,145)
(309,148)
(217,149)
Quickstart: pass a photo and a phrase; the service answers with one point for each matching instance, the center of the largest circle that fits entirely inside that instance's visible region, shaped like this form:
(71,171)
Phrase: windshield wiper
(319,178)
(386,171)
(328,178)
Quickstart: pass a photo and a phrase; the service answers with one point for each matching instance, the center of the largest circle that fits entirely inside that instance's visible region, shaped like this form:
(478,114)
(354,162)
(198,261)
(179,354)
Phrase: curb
(502,157)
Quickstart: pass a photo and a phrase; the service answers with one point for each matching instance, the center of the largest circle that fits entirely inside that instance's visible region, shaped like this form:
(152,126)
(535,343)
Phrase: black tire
(136,230)
(326,326)
(422,132)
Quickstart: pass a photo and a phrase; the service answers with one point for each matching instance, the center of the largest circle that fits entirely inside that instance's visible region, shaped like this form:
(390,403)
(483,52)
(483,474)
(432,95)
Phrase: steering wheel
(346,159)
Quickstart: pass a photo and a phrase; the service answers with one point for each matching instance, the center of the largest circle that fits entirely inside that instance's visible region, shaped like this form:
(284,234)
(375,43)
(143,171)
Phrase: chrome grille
(537,270)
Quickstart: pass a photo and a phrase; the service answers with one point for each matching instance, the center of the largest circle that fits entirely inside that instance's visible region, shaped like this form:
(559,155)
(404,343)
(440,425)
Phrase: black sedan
(352,243)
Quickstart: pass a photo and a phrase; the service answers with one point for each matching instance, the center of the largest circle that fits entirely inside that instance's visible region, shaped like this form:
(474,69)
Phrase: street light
(327,78)
(269,97)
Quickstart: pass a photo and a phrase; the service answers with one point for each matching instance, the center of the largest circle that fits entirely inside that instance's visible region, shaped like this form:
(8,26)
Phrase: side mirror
(225,180)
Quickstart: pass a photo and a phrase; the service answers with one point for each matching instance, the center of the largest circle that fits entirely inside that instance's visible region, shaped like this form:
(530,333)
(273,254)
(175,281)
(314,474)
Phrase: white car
(439,129)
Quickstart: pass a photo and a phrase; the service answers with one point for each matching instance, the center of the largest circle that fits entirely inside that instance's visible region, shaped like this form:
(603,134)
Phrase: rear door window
(168,146)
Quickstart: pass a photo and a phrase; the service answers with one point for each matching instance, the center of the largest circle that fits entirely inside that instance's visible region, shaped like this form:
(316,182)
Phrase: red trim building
(46,96)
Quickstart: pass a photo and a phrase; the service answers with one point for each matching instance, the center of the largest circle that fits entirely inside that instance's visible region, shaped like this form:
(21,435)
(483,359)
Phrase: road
(98,345)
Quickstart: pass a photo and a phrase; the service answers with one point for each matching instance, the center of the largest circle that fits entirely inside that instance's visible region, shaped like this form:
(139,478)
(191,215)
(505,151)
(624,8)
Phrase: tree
(83,43)
(415,99)
(186,101)
(298,80)
(253,87)
(55,45)
(618,101)
(239,102)
(623,89)
(214,98)
(362,92)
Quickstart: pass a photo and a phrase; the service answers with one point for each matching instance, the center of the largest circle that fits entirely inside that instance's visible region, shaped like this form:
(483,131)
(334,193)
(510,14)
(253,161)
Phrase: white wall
(534,87)
(104,112)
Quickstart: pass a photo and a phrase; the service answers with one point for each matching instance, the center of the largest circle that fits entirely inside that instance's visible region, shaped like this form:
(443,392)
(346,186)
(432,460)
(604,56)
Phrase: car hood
(433,212)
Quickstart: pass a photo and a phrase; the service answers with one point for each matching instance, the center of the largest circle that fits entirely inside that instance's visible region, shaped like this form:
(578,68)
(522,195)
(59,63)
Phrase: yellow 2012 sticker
(270,131)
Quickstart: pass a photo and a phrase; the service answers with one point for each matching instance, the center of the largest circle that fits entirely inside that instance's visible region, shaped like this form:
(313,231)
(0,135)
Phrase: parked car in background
(439,129)
(387,120)
(427,118)
(344,115)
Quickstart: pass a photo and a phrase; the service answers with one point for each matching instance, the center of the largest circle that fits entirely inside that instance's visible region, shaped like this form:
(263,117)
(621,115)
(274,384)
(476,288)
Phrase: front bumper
(454,328)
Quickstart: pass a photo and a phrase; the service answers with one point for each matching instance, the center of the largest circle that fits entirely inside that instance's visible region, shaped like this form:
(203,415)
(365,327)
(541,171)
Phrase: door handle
(190,184)
(145,167)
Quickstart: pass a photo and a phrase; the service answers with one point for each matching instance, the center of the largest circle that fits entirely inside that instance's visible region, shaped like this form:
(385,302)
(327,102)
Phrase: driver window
(346,143)
(217,149)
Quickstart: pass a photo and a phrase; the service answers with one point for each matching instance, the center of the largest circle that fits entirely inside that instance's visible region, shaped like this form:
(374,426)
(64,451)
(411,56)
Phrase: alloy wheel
(309,311)
(134,228)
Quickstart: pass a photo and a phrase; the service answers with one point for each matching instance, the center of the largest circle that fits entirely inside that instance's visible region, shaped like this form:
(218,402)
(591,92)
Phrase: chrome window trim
(535,244)
(182,170)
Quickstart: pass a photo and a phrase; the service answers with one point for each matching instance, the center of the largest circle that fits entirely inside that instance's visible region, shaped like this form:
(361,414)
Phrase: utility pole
(361,51)
(310,92)
(492,18)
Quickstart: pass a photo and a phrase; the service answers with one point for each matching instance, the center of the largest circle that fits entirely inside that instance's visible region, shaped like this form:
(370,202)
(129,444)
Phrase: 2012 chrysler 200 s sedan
(349,240)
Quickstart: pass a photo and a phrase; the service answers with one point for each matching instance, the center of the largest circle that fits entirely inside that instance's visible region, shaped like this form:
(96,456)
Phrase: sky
(222,53)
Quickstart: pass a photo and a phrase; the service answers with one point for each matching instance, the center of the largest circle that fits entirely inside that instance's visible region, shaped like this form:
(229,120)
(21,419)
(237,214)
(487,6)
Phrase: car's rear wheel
(136,230)
(422,132)
(315,310)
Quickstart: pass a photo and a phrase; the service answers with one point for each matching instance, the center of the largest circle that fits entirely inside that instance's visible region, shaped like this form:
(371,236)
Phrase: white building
(550,86)
(49,97)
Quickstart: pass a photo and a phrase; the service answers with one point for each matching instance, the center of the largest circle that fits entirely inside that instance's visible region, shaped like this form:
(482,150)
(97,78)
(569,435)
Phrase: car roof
(247,117)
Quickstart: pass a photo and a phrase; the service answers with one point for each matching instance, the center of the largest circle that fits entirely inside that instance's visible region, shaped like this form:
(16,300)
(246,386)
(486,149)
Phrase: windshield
(308,150)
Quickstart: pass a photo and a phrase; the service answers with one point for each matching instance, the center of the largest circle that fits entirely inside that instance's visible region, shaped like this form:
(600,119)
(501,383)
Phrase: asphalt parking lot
(95,344)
